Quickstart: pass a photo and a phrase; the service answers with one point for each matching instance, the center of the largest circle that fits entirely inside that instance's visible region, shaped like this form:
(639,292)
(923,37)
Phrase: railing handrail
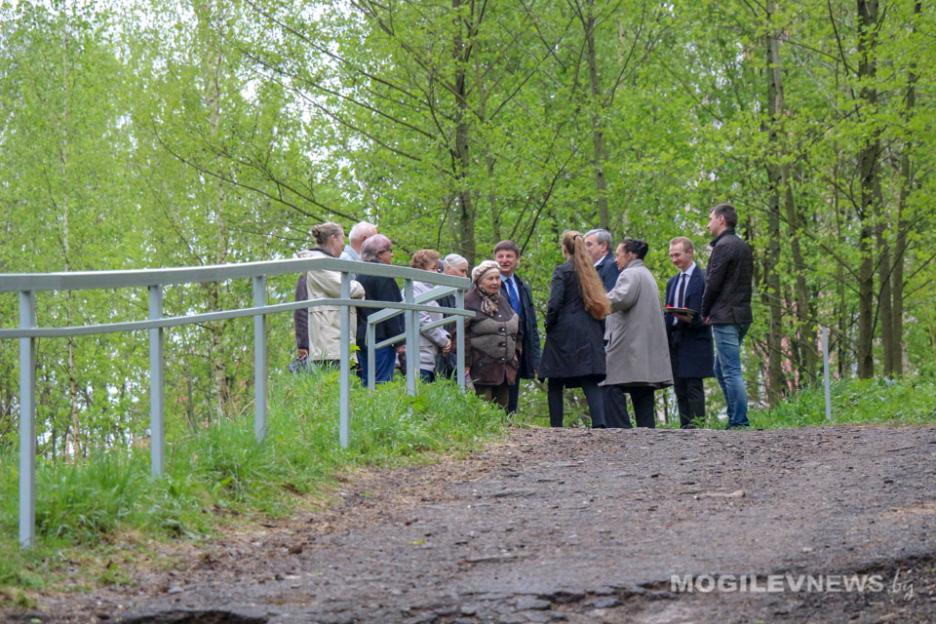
(88,280)
(203,317)
(154,280)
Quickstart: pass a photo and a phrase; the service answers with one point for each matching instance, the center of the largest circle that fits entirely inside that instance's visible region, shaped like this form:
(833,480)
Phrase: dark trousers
(641,397)
(615,404)
(385,358)
(495,394)
(513,395)
(690,398)
(594,394)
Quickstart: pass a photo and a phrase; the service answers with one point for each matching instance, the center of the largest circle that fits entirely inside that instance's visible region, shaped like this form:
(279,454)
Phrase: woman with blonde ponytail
(574,353)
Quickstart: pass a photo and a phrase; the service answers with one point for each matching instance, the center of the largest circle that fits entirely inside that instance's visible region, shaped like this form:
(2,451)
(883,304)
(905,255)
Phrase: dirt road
(586,526)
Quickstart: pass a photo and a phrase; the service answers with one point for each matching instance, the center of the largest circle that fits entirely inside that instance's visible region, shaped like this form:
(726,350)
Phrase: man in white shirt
(690,340)
(518,293)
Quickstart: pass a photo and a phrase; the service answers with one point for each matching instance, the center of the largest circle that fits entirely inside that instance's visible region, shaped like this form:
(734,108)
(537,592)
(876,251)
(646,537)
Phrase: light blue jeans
(728,340)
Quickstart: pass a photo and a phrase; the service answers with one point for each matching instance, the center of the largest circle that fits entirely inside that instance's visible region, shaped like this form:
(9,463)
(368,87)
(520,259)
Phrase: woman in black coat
(574,354)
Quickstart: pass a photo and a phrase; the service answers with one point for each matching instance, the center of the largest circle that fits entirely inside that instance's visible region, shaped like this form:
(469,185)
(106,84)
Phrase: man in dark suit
(598,245)
(726,307)
(690,340)
(518,293)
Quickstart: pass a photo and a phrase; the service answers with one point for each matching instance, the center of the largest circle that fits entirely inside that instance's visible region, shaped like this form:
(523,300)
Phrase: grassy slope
(221,476)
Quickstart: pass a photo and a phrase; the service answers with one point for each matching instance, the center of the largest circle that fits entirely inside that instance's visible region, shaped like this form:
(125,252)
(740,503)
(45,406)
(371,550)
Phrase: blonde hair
(593,292)
(685,242)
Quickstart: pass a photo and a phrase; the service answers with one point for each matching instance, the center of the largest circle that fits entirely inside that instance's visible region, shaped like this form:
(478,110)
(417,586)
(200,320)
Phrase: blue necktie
(513,296)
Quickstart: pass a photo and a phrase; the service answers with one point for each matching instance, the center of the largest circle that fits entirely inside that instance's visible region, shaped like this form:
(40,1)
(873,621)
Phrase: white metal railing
(155,280)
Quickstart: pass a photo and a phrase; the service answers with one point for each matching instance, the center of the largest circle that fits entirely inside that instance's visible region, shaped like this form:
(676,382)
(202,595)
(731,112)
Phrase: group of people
(606,329)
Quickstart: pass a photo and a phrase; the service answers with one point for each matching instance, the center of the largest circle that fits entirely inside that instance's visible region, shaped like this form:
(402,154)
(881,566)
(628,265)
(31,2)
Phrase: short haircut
(507,245)
(362,229)
(454,259)
(601,235)
(323,231)
(635,246)
(425,259)
(728,211)
(685,242)
(374,246)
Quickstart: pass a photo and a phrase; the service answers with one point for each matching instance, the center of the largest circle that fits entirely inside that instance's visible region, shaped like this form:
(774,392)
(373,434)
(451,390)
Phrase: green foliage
(223,470)
(910,401)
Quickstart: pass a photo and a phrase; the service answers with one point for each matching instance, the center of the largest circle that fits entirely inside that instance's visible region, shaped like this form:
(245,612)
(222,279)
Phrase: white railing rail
(27,285)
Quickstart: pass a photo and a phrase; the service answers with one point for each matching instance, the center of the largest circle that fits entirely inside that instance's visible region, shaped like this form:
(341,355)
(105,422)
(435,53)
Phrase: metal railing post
(460,333)
(345,383)
(260,359)
(157,428)
(27,381)
(825,373)
(411,328)
(371,340)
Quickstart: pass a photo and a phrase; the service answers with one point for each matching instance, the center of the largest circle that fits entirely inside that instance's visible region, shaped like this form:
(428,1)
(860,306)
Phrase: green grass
(221,474)
(96,515)
(910,401)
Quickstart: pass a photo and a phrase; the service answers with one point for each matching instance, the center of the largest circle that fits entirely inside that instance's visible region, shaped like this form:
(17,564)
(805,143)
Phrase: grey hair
(374,246)
(601,235)
(360,230)
(454,259)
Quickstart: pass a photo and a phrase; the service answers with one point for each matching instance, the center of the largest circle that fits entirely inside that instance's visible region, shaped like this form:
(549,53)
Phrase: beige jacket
(325,321)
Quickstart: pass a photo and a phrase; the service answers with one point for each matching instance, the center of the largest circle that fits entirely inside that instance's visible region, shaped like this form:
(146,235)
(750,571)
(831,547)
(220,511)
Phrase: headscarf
(488,302)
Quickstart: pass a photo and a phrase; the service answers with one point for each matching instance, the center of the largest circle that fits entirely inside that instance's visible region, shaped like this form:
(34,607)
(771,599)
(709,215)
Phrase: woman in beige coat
(636,347)
(318,329)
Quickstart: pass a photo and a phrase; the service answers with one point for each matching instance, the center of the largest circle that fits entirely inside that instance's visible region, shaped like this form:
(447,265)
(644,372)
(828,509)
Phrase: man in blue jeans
(726,306)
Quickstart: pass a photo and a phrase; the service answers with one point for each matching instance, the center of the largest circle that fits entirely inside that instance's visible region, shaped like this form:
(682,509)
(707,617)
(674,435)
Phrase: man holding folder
(690,340)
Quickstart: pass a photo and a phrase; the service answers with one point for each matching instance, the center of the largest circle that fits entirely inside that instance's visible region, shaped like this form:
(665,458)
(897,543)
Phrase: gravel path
(584,526)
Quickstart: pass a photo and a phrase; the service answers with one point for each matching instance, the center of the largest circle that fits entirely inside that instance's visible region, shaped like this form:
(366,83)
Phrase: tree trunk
(464,202)
(808,360)
(900,244)
(772,296)
(599,156)
(870,189)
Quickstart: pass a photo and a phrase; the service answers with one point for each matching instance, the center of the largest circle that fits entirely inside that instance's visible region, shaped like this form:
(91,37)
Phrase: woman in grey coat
(635,334)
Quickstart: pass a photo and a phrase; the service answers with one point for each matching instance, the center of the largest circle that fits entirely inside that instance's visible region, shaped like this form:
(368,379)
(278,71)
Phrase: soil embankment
(585,526)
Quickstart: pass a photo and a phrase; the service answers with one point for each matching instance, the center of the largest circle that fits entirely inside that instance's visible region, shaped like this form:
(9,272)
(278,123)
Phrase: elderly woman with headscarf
(378,249)
(492,337)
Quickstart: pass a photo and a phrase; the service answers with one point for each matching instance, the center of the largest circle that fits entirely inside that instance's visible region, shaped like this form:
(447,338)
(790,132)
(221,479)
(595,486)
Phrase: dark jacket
(492,343)
(690,344)
(608,271)
(529,361)
(377,288)
(727,298)
(301,316)
(574,338)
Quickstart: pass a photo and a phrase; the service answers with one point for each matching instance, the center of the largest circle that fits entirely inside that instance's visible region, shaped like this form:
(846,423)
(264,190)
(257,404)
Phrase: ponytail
(590,286)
